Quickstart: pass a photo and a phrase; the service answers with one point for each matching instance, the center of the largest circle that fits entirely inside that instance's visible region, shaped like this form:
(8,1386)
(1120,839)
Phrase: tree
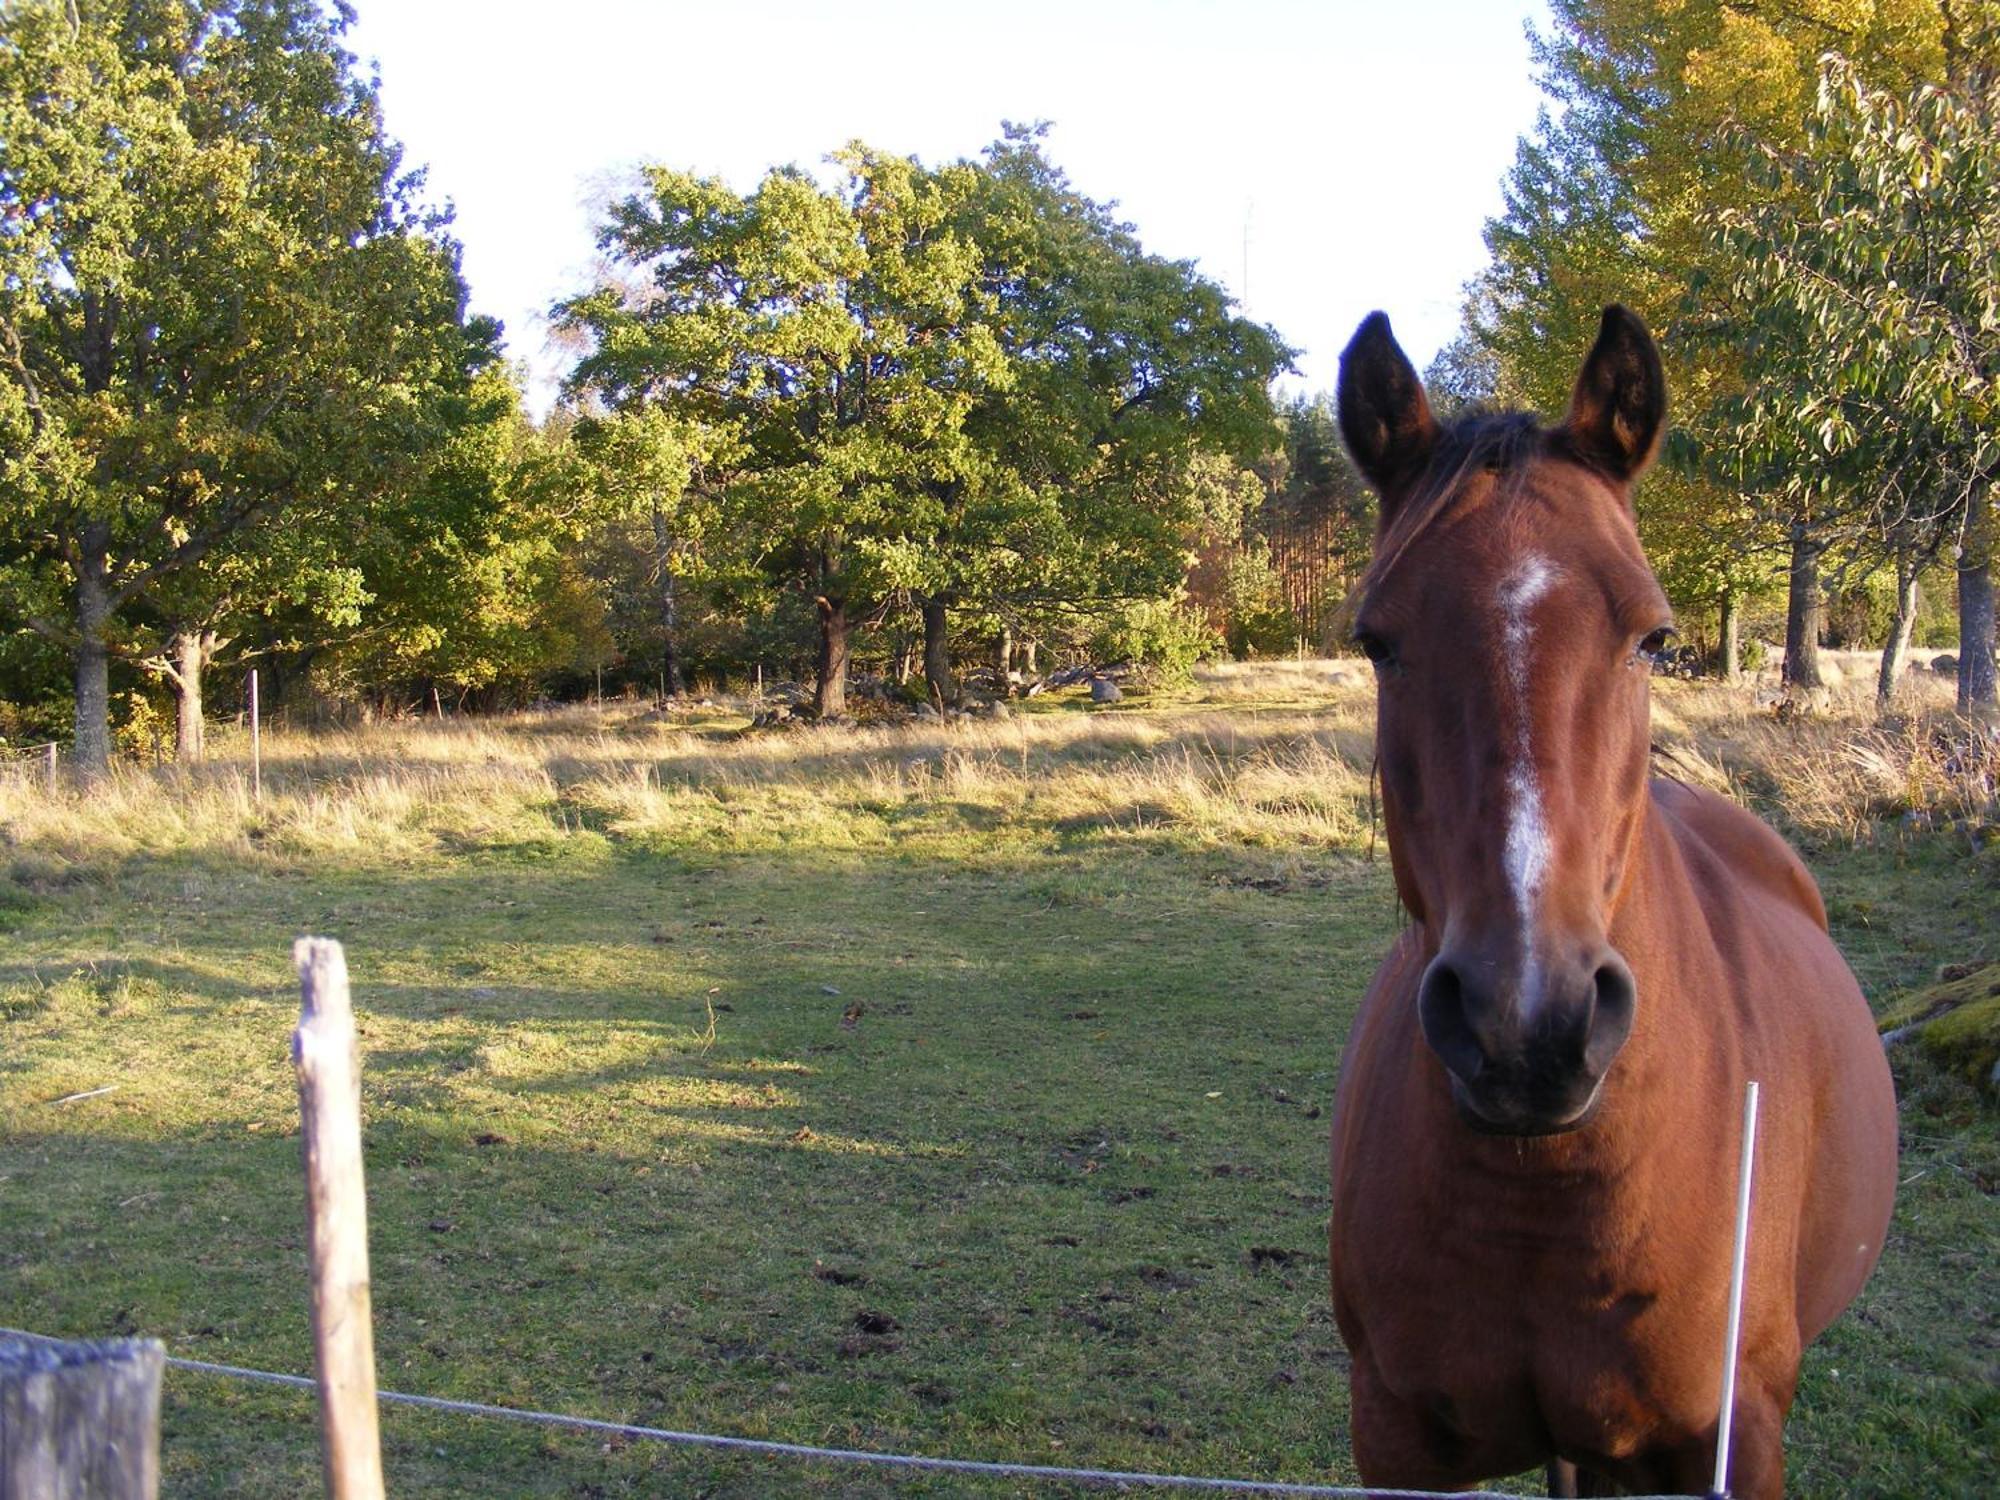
(1134,399)
(1873,324)
(827,338)
(223,314)
(963,385)
(1606,203)
(642,464)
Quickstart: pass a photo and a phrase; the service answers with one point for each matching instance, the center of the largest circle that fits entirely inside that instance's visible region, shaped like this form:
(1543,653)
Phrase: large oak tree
(956,386)
(225,318)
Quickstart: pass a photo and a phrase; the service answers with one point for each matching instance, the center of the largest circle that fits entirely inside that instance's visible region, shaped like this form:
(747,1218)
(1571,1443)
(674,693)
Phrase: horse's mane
(1477,440)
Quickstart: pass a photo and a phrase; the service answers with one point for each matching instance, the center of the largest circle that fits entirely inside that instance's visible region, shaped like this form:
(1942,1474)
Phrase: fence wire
(1100,1478)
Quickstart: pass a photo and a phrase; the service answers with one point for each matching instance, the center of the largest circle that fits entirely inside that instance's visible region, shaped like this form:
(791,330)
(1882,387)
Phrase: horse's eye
(1374,647)
(1654,646)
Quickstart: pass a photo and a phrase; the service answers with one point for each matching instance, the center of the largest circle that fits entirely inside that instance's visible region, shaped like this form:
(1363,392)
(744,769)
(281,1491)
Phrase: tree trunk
(830,691)
(1003,655)
(1028,658)
(1803,609)
(937,652)
(92,751)
(906,660)
(1732,635)
(193,651)
(1900,626)
(670,606)
(1975,603)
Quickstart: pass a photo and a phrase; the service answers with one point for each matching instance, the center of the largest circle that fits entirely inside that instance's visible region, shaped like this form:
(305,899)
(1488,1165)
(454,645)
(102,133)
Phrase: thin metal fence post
(256,743)
(1732,1338)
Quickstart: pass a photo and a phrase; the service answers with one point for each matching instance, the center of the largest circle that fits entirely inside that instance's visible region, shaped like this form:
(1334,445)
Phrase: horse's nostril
(1441,1009)
(1611,1017)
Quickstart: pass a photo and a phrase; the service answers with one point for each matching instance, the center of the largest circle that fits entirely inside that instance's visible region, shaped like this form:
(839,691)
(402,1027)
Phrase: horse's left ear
(1619,407)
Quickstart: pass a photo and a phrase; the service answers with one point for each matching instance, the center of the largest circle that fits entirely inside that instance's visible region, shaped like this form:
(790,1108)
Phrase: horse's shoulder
(1726,845)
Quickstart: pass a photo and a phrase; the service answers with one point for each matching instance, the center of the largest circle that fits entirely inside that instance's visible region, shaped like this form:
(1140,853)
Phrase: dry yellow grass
(1842,769)
(1273,754)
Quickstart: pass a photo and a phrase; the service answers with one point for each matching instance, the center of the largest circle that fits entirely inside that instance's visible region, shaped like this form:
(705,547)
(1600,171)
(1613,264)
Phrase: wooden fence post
(80,1421)
(49,757)
(328,1061)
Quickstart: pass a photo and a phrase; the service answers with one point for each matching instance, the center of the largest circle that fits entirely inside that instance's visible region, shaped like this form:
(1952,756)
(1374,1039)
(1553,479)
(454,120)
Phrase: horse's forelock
(1479,441)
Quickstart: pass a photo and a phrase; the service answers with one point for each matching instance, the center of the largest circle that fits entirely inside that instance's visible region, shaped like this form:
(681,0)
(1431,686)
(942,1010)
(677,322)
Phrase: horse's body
(1539,1113)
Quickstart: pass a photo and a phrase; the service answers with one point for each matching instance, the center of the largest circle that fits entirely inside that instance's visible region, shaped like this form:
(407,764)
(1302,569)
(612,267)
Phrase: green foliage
(1259,622)
(1872,318)
(142,728)
(965,384)
(1161,635)
(470,581)
(1653,111)
(225,320)
(1282,566)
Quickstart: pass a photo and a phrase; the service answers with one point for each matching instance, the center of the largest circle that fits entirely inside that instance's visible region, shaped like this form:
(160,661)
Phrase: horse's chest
(1523,1330)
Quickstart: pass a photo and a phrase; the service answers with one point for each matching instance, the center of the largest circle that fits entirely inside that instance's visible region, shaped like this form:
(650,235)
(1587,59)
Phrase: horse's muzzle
(1527,1060)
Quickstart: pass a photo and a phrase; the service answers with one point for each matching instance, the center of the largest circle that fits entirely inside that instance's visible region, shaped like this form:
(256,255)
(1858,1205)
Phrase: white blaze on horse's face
(1526,850)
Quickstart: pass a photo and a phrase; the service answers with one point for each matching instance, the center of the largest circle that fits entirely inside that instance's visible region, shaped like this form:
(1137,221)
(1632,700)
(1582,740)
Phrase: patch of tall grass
(1269,754)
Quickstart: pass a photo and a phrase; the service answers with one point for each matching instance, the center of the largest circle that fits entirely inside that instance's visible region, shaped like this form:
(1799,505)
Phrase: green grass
(1054,1192)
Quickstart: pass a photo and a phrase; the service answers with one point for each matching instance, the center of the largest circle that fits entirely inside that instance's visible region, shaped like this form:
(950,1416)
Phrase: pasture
(954,1089)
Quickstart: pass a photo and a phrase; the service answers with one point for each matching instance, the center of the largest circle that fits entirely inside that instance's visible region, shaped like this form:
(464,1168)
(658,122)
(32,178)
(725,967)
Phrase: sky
(1319,160)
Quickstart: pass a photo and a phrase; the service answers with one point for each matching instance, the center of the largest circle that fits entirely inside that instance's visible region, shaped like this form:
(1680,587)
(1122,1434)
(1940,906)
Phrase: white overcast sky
(1359,145)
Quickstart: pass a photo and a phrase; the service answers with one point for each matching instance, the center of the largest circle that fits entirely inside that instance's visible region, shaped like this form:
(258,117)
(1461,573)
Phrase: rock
(1945,665)
(926,711)
(1104,690)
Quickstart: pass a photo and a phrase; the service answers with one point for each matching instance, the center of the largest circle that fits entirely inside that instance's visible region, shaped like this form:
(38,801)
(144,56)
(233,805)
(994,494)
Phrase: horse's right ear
(1383,414)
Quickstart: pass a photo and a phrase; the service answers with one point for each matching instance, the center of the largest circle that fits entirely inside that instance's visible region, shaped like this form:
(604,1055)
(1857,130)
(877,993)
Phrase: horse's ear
(1383,414)
(1619,407)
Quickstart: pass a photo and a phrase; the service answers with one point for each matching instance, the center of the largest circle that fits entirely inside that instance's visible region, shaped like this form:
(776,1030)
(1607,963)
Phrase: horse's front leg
(1756,1451)
(1405,1445)
(1756,1457)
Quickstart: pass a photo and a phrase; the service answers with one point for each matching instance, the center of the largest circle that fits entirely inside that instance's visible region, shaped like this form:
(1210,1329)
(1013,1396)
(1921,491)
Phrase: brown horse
(1538,1121)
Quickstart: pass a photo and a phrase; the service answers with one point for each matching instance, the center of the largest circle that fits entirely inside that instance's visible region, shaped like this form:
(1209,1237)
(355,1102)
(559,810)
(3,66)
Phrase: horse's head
(1511,614)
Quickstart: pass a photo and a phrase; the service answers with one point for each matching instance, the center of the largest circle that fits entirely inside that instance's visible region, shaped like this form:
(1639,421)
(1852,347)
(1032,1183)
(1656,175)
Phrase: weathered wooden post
(256,744)
(49,761)
(328,1061)
(80,1421)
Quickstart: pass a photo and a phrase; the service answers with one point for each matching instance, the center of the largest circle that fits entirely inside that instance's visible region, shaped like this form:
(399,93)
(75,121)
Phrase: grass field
(958,1090)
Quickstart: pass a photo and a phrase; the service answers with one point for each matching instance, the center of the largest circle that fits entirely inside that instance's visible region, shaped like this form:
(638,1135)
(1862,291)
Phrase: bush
(1260,621)
(1163,635)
